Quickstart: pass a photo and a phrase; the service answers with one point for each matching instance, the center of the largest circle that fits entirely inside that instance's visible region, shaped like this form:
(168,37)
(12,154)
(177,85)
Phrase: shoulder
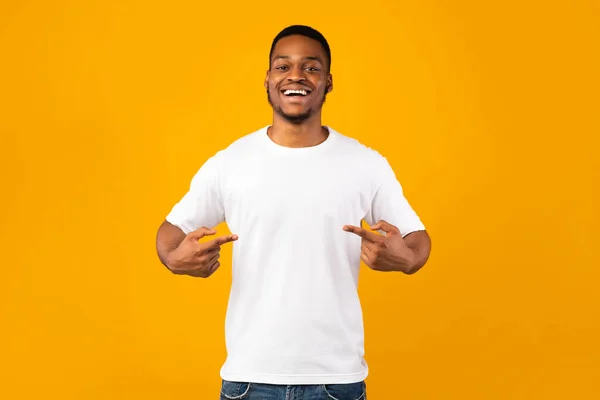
(359,152)
(232,155)
(239,148)
(247,141)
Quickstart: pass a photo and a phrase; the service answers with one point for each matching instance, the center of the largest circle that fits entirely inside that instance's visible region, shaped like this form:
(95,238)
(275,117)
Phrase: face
(298,80)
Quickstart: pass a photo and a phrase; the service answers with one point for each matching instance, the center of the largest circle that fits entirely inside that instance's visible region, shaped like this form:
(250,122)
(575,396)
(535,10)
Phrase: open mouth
(295,92)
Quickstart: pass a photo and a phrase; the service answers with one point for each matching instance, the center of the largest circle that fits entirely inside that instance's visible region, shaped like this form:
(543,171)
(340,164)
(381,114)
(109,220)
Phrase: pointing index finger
(222,240)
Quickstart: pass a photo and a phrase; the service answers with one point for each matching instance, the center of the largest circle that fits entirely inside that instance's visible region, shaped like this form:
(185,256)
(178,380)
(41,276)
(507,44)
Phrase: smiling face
(298,78)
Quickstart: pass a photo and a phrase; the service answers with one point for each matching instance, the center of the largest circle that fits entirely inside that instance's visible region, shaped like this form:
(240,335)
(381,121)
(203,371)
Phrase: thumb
(200,233)
(386,227)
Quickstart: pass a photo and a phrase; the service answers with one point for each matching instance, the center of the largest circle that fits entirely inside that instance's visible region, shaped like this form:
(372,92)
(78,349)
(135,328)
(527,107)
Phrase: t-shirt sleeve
(389,203)
(201,205)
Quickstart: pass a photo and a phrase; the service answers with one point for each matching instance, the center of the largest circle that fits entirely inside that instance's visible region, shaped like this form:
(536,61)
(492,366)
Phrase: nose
(296,74)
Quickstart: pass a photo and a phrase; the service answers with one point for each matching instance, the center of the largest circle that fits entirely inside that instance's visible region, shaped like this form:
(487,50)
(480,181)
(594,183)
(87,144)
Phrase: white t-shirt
(294,315)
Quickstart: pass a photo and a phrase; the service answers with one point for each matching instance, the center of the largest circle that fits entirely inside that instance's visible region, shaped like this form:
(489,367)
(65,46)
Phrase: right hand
(198,259)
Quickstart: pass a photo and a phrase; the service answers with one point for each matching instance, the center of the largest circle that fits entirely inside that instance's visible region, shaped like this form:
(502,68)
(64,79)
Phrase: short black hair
(303,30)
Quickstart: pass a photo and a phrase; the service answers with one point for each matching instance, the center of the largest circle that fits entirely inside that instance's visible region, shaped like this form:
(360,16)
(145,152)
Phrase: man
(294,194)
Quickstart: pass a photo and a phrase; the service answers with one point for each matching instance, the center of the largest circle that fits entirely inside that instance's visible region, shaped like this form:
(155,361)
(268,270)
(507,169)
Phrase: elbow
(413,269)
(420,244)
(415,266)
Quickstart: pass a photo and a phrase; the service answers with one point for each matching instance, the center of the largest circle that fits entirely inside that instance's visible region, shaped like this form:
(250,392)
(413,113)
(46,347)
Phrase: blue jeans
(260,391)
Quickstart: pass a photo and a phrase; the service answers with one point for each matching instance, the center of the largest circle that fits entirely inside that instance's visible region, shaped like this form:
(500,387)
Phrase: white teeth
(290,91)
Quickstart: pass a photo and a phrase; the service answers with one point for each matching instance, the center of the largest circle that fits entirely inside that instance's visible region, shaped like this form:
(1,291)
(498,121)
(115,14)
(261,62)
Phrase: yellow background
(488,111)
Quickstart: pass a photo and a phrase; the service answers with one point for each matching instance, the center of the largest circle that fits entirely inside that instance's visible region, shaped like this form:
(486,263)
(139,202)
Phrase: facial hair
(296,119)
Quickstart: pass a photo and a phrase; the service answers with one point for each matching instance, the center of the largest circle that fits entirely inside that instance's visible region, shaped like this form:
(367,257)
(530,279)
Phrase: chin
(295,117)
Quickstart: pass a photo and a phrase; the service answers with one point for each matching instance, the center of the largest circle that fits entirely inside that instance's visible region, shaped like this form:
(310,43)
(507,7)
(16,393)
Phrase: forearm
(420,245)
(168,239)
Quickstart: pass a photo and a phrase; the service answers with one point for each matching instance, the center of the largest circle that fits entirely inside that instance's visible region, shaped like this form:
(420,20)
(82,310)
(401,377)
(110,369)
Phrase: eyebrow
(313,58)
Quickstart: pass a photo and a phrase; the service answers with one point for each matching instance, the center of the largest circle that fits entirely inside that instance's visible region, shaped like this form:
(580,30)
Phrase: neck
(307,134)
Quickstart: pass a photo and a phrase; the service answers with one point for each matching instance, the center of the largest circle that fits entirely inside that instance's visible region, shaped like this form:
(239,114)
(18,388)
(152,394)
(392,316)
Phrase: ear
(267,80)
(329,83)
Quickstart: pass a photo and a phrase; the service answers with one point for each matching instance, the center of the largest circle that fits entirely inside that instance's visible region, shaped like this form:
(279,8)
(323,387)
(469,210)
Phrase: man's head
(299,77)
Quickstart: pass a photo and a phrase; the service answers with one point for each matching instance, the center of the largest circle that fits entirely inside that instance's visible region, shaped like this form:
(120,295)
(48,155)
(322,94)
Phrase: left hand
(384,253)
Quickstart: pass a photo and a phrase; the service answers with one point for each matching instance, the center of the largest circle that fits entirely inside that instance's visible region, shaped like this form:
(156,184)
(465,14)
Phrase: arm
(177,237)
(406,244)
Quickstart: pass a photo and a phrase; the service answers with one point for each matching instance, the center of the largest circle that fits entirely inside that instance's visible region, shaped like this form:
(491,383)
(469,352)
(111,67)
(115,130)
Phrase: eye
(282,67)
(313,69)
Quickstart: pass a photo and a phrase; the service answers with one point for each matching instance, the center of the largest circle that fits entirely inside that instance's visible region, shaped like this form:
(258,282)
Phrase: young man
(294,194)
